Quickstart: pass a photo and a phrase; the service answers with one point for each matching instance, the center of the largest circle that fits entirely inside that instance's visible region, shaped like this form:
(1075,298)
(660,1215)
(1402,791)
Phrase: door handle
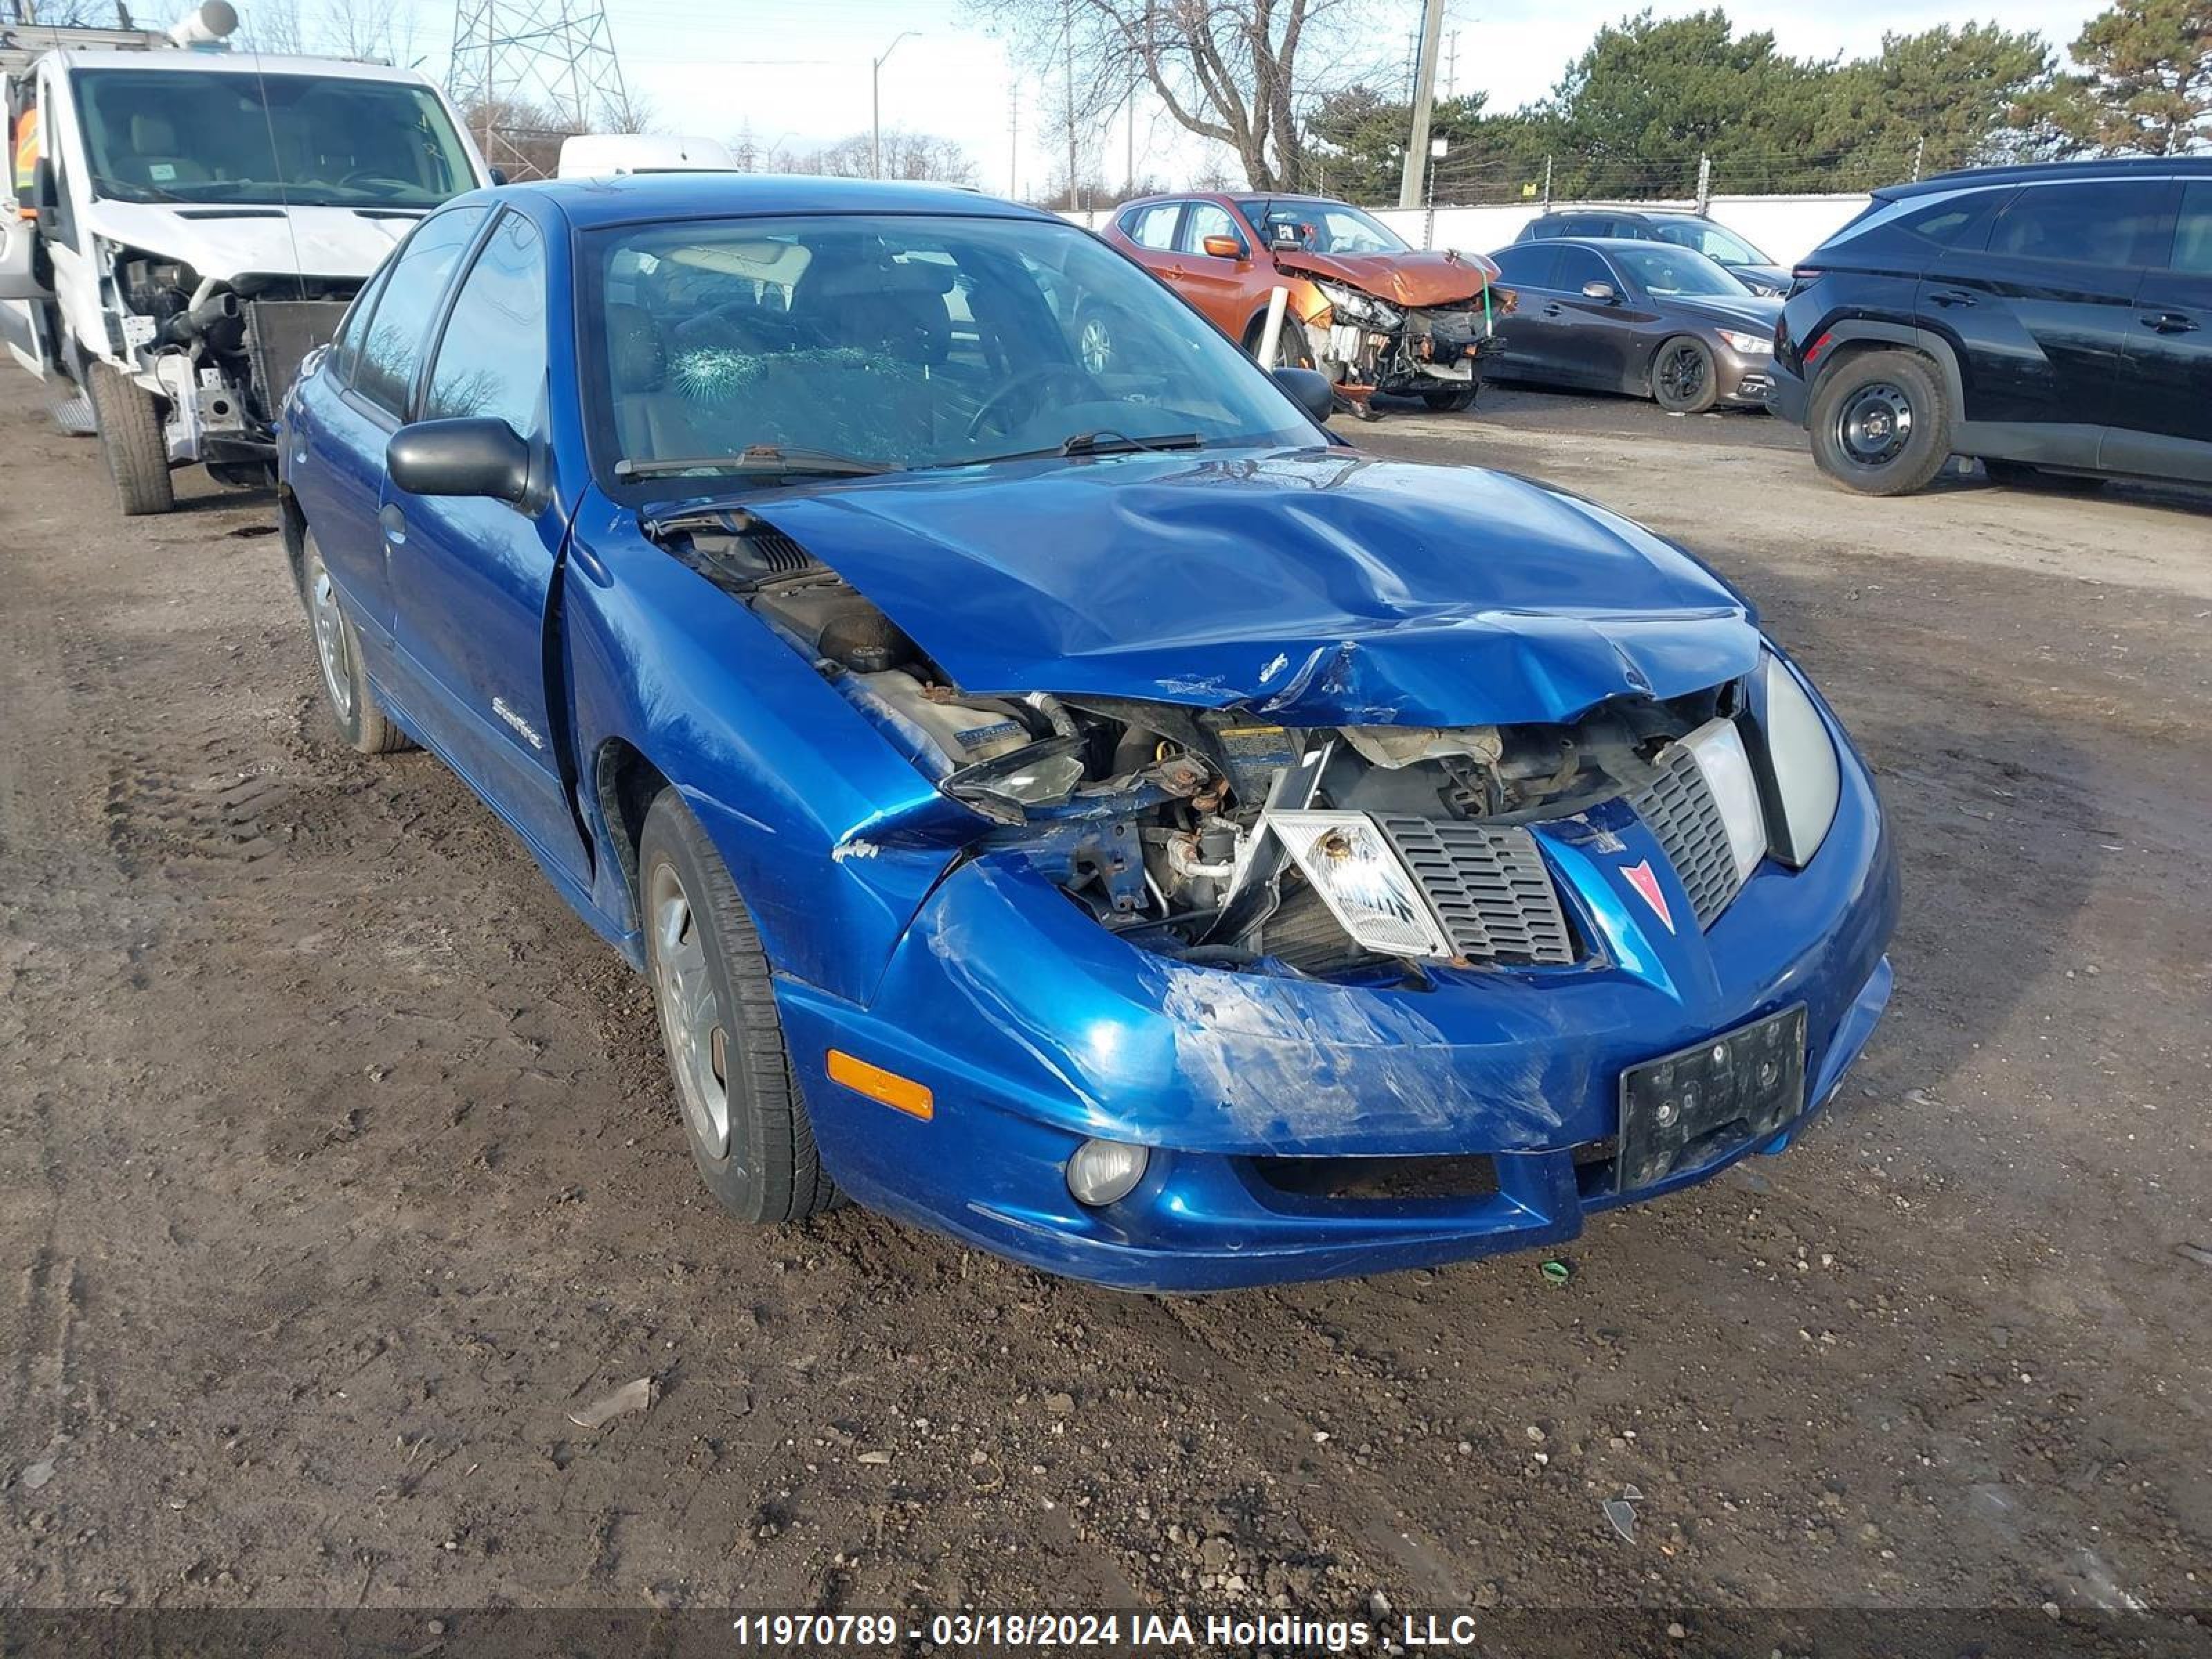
(1554,310)
(394,522)
(1951,296)
(2170,322)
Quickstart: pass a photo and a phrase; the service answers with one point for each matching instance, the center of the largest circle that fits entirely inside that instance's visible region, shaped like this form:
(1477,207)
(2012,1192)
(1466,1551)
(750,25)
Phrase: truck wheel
(131,442)
(1451,400)
(337,652)
(748,1127)
(1880,423)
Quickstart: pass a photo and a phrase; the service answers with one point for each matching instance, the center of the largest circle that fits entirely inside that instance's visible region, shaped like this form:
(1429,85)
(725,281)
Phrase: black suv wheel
(1881,424)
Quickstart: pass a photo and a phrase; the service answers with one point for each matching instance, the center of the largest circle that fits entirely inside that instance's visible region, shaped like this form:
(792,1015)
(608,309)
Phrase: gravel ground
(337,1166)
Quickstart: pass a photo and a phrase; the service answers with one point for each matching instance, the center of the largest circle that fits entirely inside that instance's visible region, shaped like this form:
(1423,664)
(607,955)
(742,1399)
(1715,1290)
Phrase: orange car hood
(1407,279)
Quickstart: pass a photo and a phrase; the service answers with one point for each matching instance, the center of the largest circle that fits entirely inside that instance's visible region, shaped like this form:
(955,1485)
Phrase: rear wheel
(2018,475)
(337,653)
(131,442)
(1683,380)
(1880,423)
(748,1127)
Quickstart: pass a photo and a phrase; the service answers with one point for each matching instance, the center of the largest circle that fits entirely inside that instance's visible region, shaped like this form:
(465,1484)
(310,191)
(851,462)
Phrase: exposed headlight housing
(1721,757)
(1751,346)
(1104,1172)
(1365,885)
(1353,307)
(1804,778)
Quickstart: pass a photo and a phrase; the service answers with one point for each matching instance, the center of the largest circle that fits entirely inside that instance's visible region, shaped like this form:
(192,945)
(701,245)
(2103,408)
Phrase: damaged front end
(1408,332)
(1358,853)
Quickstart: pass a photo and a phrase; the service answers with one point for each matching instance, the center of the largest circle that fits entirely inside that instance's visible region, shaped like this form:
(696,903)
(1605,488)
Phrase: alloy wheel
(690,1012)
(1094,345)
(331,649)
(1682,376)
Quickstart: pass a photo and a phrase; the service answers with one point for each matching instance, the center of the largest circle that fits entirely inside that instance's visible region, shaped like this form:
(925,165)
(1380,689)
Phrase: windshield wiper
(758,458)
(1109,442)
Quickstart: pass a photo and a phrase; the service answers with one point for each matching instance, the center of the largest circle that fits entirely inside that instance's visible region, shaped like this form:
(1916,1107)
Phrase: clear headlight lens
(1105,1171)
(1752,345)
(1362,881)
(1721,755)
(1808,778)
(1351,306)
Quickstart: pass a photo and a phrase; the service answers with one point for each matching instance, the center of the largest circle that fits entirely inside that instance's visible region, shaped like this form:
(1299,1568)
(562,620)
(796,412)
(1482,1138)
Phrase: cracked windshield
(854,343)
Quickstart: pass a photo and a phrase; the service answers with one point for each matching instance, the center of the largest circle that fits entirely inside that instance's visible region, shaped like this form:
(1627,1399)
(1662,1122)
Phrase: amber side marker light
(901,1093)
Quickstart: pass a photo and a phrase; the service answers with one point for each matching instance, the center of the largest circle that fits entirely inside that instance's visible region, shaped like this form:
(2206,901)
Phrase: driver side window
(392,347)
(491,361)
(1206,219)
(1578,266)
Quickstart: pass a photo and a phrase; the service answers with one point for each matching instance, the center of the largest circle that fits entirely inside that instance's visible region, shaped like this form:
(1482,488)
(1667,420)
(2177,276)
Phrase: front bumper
(1034,1029)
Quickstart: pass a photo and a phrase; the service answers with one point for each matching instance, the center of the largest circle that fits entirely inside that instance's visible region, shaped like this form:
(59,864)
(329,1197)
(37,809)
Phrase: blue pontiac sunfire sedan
(1078,806)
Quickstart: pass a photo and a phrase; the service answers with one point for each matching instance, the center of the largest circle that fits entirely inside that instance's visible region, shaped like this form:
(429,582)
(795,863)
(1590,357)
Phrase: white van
(617,155)
(190,223)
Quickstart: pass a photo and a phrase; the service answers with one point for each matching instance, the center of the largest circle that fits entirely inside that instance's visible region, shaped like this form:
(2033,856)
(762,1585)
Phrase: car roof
(240,63)
(633,197)
(2111,167)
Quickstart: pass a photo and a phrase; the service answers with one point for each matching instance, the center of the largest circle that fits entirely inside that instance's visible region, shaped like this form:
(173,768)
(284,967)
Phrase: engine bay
(1165,822)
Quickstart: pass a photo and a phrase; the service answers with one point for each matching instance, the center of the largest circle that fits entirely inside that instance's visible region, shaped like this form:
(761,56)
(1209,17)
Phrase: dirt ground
(338,1165)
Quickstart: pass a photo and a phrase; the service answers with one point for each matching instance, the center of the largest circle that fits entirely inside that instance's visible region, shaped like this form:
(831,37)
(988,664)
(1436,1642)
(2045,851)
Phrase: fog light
(1104,1172)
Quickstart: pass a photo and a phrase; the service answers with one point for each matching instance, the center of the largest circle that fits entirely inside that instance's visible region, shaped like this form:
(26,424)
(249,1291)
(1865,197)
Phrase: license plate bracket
(1682,1111)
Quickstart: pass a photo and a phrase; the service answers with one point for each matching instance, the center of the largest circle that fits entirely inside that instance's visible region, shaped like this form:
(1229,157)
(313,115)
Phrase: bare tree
(1225,69)
(370,30)
(906,155)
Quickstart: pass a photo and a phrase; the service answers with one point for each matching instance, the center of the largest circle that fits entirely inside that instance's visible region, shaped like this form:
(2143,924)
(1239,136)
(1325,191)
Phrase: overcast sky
(798,74)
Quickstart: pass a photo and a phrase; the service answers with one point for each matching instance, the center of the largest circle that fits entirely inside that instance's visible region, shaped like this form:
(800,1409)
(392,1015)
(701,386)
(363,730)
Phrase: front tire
(1451,400)
(748,1128)
(346,690)
(1880,423)
(130,442)
(1684,380)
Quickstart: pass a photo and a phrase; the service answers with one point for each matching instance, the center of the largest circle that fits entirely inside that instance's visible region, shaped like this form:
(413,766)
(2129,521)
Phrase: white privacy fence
(1785,227)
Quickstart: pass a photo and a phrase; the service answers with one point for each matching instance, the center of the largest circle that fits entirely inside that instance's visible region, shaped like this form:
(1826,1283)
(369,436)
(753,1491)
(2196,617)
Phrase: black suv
(1692,230)
(2054,321)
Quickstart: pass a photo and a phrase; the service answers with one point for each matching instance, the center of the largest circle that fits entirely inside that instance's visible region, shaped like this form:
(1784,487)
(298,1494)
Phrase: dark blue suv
(2054,322)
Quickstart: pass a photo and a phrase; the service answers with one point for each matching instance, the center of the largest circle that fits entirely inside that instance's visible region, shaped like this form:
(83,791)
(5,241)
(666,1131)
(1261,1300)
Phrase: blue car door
(348,411)
(472,577)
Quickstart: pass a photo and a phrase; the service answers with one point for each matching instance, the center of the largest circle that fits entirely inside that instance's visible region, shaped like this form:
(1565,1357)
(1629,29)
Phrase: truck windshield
(172,134)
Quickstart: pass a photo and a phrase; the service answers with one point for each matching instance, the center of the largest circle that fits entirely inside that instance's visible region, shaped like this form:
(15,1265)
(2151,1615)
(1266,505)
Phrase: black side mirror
(46,196)
(498,175)
(478,456)
(1310,390)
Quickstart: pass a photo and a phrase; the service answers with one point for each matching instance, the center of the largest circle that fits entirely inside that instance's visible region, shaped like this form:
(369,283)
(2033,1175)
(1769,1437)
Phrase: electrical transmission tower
(530,72)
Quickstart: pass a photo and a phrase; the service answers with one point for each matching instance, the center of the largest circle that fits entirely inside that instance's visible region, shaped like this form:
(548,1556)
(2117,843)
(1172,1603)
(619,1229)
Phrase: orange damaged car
(1372,312)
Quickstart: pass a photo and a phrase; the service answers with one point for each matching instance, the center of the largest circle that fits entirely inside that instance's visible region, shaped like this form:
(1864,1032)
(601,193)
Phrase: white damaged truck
(189,223)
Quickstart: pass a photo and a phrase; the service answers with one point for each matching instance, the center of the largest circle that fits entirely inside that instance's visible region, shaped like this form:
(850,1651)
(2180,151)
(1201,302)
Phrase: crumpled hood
(1750,313)
(1313,586)
(314,241)
(1405,279)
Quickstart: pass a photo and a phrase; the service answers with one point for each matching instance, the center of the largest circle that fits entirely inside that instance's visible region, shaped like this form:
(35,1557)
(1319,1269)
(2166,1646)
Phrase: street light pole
(876,105)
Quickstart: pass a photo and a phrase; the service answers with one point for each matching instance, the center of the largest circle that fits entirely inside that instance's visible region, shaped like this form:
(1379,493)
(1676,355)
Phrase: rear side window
(1960,222)
(345,350)
(2192,236)
(385,371)
(1527,267)
(2114,222)
(1153,226)
(491,361)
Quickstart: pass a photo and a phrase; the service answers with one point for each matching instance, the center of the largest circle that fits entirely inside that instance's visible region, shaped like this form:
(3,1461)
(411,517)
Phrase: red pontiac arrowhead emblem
(1647,886)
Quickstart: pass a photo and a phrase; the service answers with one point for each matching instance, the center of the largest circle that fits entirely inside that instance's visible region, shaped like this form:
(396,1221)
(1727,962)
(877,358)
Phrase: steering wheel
(1036,379)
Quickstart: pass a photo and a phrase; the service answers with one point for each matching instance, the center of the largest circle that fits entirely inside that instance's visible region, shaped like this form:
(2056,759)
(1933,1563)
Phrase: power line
(511,56)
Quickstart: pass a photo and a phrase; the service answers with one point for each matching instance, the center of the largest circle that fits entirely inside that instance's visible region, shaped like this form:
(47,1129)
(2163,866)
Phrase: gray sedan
(1613,315)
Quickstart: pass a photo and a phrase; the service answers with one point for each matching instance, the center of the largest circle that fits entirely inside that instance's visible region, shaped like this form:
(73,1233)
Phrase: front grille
(1489,888)
(1679,809)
